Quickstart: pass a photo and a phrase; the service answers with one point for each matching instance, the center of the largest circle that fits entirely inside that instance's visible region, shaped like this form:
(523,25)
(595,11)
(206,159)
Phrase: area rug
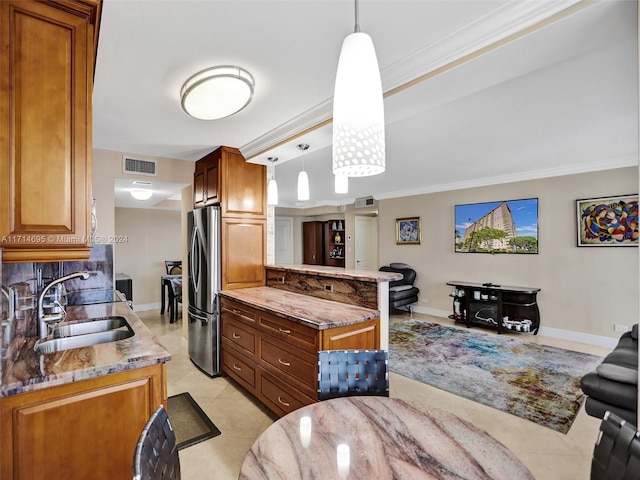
(535,382)
(190,424)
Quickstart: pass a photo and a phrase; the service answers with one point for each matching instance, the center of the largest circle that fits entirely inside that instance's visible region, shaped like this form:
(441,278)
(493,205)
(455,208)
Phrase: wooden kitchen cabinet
(85,429)
(47,60)
(243,252)
(224,177)
(276,359)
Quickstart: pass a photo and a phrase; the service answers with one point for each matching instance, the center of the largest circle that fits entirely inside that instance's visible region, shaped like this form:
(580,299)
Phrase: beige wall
(584,289)
(151,237)
(107,166)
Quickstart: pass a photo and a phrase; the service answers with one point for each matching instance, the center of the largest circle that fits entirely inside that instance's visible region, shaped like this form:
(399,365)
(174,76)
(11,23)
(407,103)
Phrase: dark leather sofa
(614,384)
(402,293)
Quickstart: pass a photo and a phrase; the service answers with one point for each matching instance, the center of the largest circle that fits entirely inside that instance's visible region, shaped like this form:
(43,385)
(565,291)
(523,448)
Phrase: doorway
(283,241)
(366,233)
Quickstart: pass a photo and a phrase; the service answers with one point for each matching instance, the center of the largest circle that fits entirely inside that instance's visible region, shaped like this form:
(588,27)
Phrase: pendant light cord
(356,28)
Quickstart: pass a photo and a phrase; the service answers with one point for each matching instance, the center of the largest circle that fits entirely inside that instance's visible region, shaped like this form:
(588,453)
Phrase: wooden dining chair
(156,454)
(343,373)
(616,455)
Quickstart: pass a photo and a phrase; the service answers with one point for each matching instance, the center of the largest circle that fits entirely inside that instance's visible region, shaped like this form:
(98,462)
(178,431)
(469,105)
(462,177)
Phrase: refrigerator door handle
(194,262)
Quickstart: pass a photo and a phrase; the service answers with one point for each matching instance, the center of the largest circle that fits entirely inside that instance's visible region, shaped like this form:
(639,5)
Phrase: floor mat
(190,424)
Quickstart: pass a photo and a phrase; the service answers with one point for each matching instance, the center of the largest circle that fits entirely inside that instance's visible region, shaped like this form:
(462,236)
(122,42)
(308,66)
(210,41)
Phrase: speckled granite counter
(314,312)
(25,370)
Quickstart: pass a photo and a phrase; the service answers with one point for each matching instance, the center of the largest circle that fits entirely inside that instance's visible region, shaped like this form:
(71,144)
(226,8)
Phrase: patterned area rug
(535,382)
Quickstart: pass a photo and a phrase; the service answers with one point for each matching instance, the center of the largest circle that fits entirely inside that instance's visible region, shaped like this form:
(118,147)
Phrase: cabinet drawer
(242,337)
(284,359)
(240,369)
(238,311)
(281,398)
(290,332)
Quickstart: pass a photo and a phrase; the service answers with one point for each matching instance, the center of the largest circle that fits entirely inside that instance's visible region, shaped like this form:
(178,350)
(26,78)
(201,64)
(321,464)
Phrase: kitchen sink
(95,325)
(86,334)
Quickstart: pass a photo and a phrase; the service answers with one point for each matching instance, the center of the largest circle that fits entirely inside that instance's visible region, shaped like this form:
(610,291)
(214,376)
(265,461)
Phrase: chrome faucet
(43,319)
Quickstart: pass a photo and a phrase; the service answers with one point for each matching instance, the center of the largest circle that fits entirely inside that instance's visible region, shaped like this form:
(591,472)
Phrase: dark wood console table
(499,307)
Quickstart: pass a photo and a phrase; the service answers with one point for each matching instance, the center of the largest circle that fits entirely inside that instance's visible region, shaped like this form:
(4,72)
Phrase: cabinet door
(211,181)
(46,74)
(243,189)
(243,253)
(86,429)
(199,194)
(312,233)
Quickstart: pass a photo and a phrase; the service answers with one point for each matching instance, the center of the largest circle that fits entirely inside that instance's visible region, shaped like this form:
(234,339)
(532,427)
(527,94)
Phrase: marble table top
(338,272)
(378,438)
(304,309)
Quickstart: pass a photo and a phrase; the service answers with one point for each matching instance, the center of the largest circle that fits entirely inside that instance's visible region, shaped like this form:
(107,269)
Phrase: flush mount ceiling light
(141,194)
(217,92)
(272,186)
(303,178)
(358,111)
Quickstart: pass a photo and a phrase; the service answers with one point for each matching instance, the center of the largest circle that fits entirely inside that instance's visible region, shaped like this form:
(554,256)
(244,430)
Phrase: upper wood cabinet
(47,54)
(224,177)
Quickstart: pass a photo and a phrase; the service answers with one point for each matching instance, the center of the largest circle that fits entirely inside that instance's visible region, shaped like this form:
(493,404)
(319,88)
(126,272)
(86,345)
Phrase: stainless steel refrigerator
(203,272)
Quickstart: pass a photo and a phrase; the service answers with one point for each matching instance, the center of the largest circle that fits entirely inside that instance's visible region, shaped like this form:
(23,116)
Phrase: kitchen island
(270,340)
(78,413)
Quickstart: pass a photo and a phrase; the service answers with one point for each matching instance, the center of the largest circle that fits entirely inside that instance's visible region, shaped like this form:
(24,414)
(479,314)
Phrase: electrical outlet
(620,328)
(328,288)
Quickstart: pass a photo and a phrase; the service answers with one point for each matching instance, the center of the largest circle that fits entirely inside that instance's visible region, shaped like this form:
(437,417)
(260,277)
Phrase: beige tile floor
(548,454)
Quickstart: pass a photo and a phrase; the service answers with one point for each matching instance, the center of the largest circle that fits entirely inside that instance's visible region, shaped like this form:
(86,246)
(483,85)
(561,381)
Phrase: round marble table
(377,438)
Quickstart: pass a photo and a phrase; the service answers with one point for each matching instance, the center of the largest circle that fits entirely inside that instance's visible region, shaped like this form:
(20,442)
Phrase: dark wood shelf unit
(334,243)
(502,308)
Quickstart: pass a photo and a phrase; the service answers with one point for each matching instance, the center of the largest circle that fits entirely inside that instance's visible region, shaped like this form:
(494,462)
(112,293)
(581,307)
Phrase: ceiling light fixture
(217,92)
(272,186)
(358,111)
(141,194)
(341,184)
(303,178)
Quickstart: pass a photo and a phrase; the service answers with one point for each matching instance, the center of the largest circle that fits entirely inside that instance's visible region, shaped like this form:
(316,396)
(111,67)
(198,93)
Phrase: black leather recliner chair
(614,385)
(402,293)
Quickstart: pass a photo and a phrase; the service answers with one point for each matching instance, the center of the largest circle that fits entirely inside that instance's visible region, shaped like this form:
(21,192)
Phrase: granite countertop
(338,272)
(24,370)
(314,312)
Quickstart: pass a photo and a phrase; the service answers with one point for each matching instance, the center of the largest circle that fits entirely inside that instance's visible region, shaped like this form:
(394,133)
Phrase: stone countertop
(24,370)
(337,272)
(314,312)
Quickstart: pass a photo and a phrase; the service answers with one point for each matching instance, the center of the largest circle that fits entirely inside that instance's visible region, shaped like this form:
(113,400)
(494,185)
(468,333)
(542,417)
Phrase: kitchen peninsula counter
(270,340)
(25,370)
(314,312)
(338,272)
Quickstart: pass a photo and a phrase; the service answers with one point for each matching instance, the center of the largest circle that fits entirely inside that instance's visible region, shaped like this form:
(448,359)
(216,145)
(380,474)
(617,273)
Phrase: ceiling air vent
(141,167)
(365,202)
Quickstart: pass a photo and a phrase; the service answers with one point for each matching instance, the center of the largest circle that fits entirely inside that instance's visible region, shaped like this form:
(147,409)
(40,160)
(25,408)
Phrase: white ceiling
(505,89)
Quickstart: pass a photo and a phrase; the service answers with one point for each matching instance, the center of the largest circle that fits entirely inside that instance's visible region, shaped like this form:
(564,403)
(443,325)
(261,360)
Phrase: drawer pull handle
(284,330)
(235,367)
(237,312)
(235,335)
(283,402)
(286,364)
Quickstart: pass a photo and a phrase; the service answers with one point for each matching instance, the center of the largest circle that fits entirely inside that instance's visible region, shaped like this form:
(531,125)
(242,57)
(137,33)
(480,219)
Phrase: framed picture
(608,221)
(408,231)
(507,226)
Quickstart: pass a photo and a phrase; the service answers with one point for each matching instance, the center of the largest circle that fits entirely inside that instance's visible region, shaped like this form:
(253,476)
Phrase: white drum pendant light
(217,92)
(303,178)
(272,186)
(358,110)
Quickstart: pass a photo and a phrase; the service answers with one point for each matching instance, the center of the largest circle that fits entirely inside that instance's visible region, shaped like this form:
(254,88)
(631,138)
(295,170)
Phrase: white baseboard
(146,306)
(568,335)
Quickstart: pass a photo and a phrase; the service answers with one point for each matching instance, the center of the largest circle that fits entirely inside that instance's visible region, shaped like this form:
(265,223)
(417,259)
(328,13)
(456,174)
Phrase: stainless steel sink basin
(96,325)
(86,334)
